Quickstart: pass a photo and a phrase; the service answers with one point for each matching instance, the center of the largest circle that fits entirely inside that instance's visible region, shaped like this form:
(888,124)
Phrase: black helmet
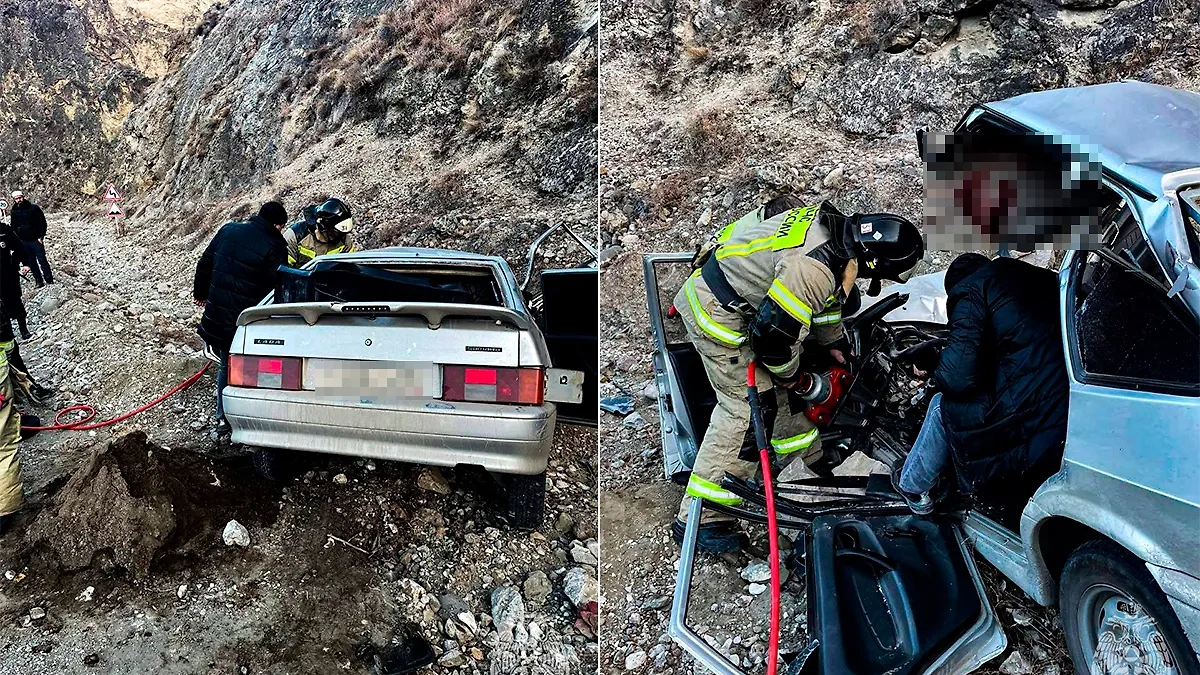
(333,218)
(886,245)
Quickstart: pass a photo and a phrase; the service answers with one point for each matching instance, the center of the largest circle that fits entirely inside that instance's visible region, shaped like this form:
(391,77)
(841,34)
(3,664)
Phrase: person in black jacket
(29,223)
(236,271)
(13,256)
(1001,411)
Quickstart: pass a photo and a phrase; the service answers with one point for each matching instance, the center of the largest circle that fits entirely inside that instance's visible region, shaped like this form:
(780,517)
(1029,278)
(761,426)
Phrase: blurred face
(987,196)
(18,199)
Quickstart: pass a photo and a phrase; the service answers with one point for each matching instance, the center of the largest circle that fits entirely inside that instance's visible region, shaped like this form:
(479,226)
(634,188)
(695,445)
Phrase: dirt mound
(134,505)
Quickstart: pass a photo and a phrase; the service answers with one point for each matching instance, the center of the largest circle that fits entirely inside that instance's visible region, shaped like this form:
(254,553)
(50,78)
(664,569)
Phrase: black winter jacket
(12,256)
(28,221)
(1003,378)
(236,271)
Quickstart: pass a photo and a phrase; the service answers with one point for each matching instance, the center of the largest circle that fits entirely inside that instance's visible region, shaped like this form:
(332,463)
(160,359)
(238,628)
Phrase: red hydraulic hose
(760,434)
(90,412)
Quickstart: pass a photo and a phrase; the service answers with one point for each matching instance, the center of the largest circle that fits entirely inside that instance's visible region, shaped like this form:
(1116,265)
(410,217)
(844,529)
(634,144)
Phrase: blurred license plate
(372,381)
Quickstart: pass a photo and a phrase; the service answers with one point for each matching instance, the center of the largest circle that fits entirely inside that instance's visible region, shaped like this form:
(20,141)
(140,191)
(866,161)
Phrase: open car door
(567,309)
(888,591)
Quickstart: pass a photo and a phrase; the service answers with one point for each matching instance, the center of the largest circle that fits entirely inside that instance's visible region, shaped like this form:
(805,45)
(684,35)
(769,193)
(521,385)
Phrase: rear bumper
(504,439)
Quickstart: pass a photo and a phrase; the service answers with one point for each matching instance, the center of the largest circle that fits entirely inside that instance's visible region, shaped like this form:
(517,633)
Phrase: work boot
(41,394)
(920,504)
(26,335)
(723,536)
(40,284)
(4,520)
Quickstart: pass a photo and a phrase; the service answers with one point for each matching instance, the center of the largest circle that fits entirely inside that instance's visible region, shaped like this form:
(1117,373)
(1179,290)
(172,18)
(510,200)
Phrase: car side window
(1128,333)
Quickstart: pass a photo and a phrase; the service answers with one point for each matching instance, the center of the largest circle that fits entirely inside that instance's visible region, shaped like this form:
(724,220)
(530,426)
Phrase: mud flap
(570,324)
(895,594)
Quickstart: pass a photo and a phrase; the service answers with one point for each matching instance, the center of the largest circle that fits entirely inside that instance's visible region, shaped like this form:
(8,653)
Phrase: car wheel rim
(1120,637)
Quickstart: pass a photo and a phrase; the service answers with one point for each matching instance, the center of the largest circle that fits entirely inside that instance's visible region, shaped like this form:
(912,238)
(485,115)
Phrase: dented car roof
(1140,131)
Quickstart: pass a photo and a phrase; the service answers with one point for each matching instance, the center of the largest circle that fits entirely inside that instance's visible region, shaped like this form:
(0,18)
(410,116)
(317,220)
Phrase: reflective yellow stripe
(794,229)
(802,442)
(307,252)
(717,331)
(791,234)
(706,489)
(829,315)
(746,248)
(336,250)
(790,303)
(7,347)
(785,368)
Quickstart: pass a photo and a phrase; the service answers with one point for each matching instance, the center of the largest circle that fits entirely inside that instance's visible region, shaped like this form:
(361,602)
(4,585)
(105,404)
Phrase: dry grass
(695,54)
(711,135)
(438,35)
(445,189)
(672,191)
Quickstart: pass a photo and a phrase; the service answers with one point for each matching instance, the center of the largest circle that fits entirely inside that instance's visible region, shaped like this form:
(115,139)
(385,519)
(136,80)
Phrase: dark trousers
(14,309)
(38,265)
(222,380)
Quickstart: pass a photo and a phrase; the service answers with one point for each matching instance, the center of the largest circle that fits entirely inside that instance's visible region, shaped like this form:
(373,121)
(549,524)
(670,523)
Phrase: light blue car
(1114,538)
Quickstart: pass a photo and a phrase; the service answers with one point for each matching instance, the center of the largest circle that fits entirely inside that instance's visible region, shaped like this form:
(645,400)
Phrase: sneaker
(723,536)
(920,504)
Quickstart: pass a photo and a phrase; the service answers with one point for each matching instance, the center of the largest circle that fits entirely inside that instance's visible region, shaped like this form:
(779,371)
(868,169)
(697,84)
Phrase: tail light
(265,372)
(493,385)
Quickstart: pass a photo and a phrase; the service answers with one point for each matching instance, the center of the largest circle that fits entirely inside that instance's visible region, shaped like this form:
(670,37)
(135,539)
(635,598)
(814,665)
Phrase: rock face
(74,70)
(396,106)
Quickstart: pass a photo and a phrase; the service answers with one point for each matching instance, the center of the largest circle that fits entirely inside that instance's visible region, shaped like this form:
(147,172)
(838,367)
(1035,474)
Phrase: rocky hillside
(73,70)
(466,110)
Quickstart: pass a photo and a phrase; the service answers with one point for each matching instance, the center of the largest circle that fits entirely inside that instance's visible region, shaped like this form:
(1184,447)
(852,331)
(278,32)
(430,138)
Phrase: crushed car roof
(1138,130)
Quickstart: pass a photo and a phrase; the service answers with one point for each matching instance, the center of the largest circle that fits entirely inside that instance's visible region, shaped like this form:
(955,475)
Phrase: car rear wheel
(524,499)
(268,463)
(1116,618)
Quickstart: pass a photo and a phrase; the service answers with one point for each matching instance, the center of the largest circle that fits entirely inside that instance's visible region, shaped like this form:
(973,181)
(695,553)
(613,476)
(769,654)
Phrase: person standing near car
(325,230)
(13,256)
(235,272)
(768,288)
(1000,414)
(29,223)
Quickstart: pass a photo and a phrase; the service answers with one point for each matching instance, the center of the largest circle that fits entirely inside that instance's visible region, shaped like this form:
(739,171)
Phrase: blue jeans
(222,380)
(38,263)
(929,453)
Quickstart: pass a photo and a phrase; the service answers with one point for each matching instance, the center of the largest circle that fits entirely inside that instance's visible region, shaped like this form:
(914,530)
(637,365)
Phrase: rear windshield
(352,282)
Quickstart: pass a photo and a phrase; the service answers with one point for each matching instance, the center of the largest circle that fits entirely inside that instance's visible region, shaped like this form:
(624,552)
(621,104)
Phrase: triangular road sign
(114,209)
(111,195)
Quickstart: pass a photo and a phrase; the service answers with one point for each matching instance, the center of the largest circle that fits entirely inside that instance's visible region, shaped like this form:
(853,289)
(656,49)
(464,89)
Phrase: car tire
(267,464)
(1106,593)
(524,499)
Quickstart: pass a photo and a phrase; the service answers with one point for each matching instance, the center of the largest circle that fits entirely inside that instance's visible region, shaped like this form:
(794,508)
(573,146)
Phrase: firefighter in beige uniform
(11,495)
(763,288)
(325,230)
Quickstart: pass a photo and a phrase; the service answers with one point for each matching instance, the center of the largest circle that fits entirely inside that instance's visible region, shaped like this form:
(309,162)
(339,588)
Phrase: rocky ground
(118,564)
(711,108)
